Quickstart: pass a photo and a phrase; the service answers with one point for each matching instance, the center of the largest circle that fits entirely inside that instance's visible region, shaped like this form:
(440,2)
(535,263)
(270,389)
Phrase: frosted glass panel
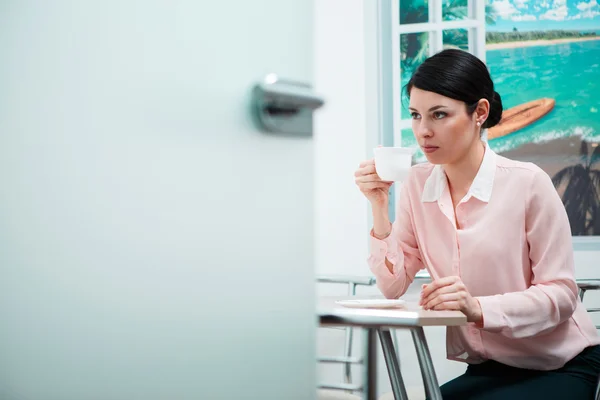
(141,257)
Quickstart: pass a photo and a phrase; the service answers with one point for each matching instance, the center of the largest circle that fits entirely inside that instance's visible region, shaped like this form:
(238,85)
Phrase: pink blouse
(513,251)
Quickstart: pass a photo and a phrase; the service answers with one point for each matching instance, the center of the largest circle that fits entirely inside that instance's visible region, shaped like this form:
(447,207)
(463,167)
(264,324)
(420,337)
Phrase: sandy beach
(529,43)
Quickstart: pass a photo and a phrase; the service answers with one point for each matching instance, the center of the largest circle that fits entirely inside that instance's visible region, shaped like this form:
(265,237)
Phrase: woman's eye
(415,115)
(439,115)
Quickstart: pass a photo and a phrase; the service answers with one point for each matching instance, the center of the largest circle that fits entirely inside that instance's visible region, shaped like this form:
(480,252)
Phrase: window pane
(414,11)
(456,38)
(453,10)
(408,139)
(414,49)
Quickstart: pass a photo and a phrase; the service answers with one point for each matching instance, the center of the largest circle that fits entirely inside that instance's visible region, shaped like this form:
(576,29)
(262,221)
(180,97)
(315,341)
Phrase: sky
(544,15)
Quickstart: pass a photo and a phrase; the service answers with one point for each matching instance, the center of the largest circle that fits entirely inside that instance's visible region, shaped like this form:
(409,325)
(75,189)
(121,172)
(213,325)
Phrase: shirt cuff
(493,318)
(385,248)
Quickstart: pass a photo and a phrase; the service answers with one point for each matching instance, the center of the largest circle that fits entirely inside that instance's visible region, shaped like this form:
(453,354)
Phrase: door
(153,243)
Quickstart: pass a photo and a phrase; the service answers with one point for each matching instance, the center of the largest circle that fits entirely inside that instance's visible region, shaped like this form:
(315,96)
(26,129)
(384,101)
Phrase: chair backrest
(347,360)
(584,285)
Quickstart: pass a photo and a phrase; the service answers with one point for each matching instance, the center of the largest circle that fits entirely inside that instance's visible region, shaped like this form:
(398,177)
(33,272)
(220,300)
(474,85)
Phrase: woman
(495,238)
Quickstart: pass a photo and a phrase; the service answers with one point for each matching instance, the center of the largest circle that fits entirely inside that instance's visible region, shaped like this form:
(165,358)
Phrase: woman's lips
(429,149)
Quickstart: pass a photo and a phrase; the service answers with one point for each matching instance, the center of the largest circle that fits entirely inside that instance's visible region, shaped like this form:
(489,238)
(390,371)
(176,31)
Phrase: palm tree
(582,192)
(414,46)
(457,9)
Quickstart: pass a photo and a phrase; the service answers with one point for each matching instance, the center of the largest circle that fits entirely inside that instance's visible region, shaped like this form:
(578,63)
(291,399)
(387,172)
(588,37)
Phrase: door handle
(285,106)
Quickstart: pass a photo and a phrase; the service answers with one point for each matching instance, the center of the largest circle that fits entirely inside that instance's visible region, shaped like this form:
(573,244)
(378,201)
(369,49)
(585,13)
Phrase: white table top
(409,316)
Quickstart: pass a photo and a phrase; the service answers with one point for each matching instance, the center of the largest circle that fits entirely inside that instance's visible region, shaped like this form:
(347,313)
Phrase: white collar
(481,187)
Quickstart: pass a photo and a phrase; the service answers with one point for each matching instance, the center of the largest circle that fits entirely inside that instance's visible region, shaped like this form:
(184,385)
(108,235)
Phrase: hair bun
(495,114)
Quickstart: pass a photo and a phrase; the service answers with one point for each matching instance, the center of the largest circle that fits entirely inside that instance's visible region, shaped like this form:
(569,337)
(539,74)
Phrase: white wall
(340,136)
(346,45)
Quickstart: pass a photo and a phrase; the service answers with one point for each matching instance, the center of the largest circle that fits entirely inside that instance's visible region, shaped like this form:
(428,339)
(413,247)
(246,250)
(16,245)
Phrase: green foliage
(414,47)
(516,36)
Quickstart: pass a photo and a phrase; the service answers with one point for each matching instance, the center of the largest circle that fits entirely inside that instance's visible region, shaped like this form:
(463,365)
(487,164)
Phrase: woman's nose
(424,130)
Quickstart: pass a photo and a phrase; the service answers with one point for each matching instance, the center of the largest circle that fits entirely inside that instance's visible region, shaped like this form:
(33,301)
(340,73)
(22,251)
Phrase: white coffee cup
(393,163)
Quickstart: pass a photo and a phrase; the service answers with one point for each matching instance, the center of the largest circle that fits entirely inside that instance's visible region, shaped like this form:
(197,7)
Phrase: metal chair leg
(348,339)
(370,370)
(347,352)
(393,366)
(432,388)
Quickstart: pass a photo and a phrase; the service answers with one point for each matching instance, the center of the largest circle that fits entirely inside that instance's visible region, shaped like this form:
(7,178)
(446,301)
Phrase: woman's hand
(450,293)
(371,185)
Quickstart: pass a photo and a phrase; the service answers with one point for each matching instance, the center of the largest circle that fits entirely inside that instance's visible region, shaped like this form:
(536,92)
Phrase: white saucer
(372,303)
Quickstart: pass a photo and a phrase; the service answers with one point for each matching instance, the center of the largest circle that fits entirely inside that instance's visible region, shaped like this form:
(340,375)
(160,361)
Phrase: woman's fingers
(442,298)
(367,162)
(374,185)
(368,178)
(440,291)
(366,170)
(438,283)
(371,181)
(448,305)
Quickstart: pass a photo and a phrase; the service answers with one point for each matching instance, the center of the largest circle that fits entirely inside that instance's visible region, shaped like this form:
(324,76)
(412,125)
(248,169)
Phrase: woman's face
(442,127)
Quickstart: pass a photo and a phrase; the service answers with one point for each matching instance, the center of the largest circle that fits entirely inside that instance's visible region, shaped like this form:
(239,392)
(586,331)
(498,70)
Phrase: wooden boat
(520,116)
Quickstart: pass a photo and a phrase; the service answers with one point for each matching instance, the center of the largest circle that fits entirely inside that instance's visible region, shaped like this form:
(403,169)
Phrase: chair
(584,285)
(343,391)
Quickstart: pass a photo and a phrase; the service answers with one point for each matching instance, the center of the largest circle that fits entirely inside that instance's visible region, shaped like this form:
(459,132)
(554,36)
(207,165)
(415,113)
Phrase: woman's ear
(482,111)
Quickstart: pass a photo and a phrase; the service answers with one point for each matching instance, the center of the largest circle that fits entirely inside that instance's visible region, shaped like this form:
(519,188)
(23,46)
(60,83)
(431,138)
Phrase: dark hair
(458,75)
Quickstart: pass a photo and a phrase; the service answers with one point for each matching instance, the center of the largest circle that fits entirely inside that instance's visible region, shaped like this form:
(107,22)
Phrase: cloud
(587,6)
(589,14)
(504,8)
(588,9)
(555,14)
(523,3)
(559,3)
(524,17)
(537,8)
(545,4)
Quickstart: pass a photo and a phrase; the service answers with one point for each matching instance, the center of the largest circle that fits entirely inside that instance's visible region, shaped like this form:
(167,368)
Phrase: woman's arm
(395,259)
(552,297)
